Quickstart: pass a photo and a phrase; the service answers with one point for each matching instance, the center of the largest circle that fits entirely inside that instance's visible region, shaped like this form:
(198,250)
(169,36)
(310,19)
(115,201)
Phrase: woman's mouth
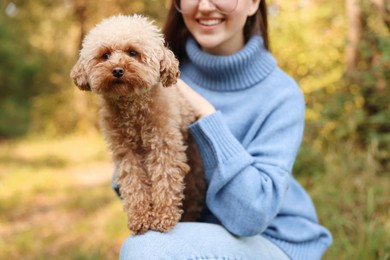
(210,22)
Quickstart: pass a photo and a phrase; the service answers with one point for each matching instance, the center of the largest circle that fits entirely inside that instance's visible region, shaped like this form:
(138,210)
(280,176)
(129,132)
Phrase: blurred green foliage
(372,74)
(360,108)
(18,67)
(343,105)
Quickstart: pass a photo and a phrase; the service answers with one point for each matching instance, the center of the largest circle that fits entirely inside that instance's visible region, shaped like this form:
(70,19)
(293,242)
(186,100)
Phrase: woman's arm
(200,105)
(247,185)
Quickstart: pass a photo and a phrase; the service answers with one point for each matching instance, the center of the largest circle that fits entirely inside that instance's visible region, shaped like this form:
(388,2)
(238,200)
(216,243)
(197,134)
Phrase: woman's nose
(206,5)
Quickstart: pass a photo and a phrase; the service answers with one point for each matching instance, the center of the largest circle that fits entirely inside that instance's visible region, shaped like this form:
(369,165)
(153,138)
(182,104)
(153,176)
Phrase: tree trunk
(354,33)
(80,13)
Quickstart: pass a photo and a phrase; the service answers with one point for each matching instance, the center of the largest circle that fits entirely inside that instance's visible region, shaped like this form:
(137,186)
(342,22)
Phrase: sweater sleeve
(247,183)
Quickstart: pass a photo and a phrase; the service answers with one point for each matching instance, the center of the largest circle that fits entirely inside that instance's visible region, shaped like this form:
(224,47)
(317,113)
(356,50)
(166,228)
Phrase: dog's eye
(132,53)
(106,56)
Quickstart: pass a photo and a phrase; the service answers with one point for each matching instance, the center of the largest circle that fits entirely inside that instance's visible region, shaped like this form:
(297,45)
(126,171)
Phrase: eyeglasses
(222,6)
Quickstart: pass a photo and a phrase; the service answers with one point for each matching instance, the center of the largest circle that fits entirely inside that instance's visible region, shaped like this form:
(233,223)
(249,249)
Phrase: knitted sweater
(248,148)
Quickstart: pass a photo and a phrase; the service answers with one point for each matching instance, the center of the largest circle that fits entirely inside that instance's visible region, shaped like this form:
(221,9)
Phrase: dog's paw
(163,225)
(165,221)
(138,227)
(139,221)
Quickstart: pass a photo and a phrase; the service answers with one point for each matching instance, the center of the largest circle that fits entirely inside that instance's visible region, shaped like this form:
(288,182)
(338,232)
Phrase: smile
(210,22)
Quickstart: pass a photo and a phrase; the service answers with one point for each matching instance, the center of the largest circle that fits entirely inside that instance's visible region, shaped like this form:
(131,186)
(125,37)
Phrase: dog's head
(124,55)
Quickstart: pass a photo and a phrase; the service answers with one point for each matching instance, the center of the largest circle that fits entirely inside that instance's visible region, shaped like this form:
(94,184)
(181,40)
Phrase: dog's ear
(79,76)
(169,68)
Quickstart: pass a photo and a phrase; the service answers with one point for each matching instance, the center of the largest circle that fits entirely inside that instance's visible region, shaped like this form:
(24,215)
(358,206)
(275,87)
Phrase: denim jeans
(198,241)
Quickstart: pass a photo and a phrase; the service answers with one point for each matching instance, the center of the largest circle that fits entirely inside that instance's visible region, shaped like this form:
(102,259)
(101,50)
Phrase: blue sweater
(248,148)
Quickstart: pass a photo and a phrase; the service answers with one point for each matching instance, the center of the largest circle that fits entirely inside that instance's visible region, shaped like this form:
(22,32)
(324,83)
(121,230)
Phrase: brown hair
(176,32)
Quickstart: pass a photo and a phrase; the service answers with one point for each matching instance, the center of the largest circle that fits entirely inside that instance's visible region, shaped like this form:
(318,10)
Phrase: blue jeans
(198,241)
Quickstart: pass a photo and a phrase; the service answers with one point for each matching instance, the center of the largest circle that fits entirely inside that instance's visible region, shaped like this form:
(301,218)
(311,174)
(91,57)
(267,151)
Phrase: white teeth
(210,22)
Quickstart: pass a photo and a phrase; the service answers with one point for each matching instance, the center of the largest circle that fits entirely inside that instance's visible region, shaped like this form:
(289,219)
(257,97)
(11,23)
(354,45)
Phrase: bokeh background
(55,196)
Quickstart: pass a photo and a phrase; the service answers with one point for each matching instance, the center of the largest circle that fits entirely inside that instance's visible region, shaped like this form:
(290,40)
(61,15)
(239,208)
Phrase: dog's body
(145,124)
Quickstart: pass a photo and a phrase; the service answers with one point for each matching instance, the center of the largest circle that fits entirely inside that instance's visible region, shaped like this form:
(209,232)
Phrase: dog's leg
(167,168)
(134,186)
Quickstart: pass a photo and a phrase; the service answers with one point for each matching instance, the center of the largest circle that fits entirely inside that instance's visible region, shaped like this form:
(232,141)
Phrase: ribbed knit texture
(222,138)
(248,148)
(211,72)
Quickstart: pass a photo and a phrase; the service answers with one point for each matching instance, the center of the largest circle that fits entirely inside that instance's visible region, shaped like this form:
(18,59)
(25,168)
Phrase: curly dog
(144,119)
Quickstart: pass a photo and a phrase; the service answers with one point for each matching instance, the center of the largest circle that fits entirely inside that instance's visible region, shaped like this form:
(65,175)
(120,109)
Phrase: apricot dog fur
(144,119)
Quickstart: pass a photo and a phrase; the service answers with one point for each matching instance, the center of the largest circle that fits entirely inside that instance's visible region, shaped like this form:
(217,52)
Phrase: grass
(352,197)
(56,200)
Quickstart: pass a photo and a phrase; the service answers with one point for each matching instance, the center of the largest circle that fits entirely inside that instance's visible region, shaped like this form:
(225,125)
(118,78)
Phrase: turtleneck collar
(239,71)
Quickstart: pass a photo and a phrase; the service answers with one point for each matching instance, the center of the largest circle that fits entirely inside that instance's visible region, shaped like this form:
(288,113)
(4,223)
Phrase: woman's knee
(154,245)
(198,241)
(139,246)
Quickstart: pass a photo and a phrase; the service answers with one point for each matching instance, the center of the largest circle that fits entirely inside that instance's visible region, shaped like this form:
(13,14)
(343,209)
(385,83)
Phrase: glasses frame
(177,6)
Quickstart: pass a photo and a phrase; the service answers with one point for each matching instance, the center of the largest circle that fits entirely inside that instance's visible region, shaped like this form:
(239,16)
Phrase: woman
(251,120)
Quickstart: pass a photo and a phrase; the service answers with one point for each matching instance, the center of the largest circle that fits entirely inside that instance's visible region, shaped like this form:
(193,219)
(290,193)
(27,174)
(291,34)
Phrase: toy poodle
(144,119)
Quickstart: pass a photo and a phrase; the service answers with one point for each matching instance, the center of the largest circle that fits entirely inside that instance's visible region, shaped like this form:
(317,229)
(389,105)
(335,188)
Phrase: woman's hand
(199,104)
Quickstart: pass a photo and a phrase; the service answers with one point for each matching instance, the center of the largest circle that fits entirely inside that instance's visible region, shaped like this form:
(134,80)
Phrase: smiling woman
(176,32)
(249,129)
(218,26)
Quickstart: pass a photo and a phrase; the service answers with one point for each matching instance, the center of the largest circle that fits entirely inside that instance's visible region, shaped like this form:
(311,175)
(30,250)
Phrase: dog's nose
(118,72)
